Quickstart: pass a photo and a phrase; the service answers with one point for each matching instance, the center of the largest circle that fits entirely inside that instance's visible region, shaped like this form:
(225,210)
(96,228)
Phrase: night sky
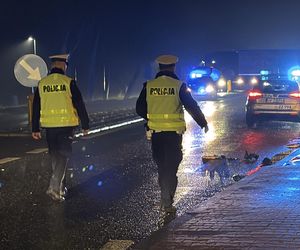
(126,36)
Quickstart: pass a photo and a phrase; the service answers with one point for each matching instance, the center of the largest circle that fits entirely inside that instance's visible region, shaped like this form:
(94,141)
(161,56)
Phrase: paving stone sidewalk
(261,211)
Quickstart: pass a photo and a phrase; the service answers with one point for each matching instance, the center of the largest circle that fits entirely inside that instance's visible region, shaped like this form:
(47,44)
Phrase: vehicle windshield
(278,86)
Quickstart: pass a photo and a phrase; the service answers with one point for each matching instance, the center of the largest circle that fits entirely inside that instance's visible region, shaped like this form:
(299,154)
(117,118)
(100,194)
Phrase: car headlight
(240,81)
(209,89)
(221,83)
(254,81)
(201,90)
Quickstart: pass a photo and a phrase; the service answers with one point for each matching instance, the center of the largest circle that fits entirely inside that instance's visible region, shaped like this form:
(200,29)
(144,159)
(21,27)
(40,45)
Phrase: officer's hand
(36,135)
(206,129)
(85,132)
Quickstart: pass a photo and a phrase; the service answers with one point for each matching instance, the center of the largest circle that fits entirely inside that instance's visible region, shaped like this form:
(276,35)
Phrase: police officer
(161,103)
(58,106)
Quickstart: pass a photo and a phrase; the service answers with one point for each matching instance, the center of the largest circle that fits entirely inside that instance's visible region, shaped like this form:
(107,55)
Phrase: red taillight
(295,95)
(254,94)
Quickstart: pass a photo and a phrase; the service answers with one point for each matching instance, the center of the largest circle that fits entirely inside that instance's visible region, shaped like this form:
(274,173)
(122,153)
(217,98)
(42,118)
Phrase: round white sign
(30,69)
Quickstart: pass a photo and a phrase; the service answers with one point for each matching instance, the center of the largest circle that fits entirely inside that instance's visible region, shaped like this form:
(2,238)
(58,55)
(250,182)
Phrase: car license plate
(270,100)
(285,107)
(274,100)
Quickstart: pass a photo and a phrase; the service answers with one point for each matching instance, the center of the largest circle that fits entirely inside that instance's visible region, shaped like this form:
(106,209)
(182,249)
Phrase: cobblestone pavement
(261,211)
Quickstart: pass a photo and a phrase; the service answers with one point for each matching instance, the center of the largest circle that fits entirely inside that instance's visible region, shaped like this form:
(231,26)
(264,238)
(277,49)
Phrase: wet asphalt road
(112,181)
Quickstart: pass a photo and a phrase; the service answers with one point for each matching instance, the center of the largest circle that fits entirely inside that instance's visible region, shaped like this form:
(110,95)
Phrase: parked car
(273,100)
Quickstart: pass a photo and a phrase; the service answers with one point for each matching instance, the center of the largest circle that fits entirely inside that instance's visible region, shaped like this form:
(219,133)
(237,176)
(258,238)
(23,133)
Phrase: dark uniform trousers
(167,154)
(59,142)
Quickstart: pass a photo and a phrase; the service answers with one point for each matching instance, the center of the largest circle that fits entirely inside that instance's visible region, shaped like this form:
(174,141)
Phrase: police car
(204,87)
(202,81)
(273,98)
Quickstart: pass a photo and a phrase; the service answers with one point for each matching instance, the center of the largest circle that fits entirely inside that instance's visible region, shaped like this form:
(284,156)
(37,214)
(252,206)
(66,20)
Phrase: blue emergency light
(215,74)
(203,71)
(194,75)
(264,72)
(199,72)
(294,73)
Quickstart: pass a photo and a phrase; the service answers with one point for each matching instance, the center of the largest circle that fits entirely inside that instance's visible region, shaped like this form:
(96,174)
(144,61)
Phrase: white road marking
(117,245)
(98,130)
(91,132)
(8,159)
(37,151)
(15,134)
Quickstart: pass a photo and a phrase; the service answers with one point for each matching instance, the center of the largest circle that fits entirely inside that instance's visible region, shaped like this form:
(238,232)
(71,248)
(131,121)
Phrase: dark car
(273,100)
(203,86)
(202,81)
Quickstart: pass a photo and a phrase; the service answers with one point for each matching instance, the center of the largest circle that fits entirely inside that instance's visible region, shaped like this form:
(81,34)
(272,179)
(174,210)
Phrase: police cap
(60,58)
(167,59)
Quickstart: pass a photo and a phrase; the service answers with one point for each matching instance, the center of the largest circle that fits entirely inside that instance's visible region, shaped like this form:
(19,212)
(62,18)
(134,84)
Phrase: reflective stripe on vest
(57,109)
(164,116)
(168,125)
(165,112)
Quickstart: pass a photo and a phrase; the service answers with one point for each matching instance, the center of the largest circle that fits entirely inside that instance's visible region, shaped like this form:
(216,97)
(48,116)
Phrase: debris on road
(216,164)
(293,145)
(250,158)
(281,155)
(266,162)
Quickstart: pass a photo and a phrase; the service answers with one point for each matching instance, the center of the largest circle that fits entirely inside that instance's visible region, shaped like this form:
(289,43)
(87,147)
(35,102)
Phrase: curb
(286,159)
(154,236)
(14,134)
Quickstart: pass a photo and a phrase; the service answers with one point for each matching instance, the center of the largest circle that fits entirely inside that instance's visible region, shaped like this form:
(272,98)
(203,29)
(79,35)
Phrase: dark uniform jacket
(185,96)
(76,99)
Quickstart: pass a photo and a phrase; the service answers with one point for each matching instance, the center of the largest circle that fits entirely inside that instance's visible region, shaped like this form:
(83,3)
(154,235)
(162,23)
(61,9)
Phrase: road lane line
(37,151)
(21,134)
(98,130)
(91,132)
(117,245)
(8,159)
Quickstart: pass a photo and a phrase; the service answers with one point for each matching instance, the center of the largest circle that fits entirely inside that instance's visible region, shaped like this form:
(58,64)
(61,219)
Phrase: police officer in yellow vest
(161,103)
(58,106)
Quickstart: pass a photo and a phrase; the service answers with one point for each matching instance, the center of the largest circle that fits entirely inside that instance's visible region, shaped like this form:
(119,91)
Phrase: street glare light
(221,82)
(254,81)
(209,88)
(240,81)
(34,43)
(31,39)
(213,61)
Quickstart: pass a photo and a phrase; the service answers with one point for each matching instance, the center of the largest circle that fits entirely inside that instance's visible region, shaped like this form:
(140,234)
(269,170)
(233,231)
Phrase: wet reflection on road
(112,180)
(228,135)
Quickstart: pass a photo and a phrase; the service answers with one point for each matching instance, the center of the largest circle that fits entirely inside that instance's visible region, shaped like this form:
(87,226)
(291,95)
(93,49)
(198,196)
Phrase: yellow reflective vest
(164,108)
(57,109)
